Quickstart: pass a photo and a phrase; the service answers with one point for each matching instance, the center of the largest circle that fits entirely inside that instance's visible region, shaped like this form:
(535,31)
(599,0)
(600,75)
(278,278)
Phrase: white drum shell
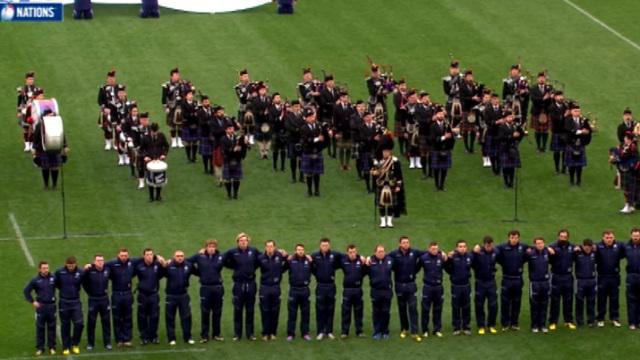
(38,107)
(52,133)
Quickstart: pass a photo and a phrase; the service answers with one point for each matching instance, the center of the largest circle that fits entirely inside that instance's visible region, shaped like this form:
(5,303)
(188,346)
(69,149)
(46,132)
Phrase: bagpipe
(624,157)
(453,130)
(26,97)
(389,83)
(552,87)
(248,117)
(385,180)
(519,90)
(175,94)
(478,90)
(242,145)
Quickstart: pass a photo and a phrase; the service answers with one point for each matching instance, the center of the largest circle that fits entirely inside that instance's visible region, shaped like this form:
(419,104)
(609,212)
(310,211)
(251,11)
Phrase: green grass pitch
(72,58)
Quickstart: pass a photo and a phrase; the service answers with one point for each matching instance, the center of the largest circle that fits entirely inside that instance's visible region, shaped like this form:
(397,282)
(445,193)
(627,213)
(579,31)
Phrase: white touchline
(117,353)
(23,243)
(599,22)
(74,236)
(83,236)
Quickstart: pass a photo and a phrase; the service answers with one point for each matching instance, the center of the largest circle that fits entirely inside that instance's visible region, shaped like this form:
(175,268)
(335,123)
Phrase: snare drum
(156,175)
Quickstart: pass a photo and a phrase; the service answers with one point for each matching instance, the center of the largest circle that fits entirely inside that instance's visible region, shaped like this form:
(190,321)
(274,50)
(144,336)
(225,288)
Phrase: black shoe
(317,193)
(235,196)
(159,198)
(309,194)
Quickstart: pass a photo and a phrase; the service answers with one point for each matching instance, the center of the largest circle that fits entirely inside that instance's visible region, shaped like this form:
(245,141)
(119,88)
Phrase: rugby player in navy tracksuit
(121,273)
(379,271)
(562,281)
(148,270)
(405,267)
(208,266)
(177,272)
(44,285)
(608,256)
(484,268)
(539,287)
(68,280)
(354,269)
(299,279)
(243,260)
(273,265)
(324,266)
(432,263)
(584,259)
(458,266)
(632,253)
(95,282)
(511,258)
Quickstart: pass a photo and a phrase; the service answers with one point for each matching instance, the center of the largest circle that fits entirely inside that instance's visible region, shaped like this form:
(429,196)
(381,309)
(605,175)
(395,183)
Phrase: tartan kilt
(232,170)
(575,160)
(535,125)
(629,183)
(423,144)
(312,164)
(366,160)
(260,136)
(206,146)
(279,141)
(510,158)
(394,197)
(294,151)
(141,167)
(217,156)
(466,126)
(489,146)
(398,128)
(49,160)
(345,143)
(441,159)
(557,142)
(189,134)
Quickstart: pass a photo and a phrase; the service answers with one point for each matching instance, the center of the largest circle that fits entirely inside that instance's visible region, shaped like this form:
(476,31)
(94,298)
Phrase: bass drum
(39,107)
(52,133)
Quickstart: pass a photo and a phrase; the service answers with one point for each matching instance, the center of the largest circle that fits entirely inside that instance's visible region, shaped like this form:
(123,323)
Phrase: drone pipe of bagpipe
(370,60)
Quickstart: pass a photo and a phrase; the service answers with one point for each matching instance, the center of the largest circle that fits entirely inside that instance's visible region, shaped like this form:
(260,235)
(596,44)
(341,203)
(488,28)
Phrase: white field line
(21,240)
(75,236)
(601,23)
